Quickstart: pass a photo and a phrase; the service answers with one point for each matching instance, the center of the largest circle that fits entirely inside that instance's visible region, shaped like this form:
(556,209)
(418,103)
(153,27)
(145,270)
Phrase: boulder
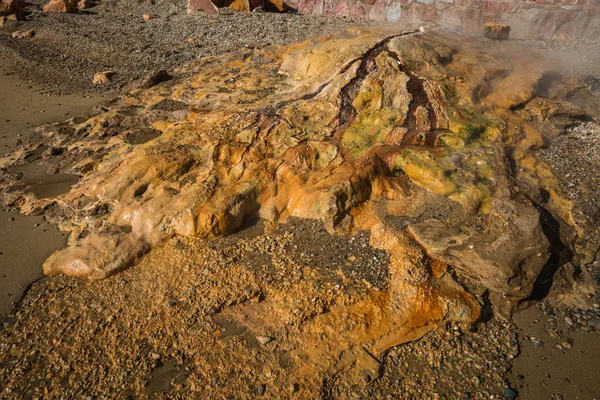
(496,31)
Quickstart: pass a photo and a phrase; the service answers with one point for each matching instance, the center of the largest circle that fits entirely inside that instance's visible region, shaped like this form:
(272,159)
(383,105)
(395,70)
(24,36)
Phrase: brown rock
(264,339)
(23,34)
(506,258)
(61,6)
(496,31)
(147,17)
(102,78)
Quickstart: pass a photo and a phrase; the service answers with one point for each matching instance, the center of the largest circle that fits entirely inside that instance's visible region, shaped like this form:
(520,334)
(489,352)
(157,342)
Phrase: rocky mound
(422,142)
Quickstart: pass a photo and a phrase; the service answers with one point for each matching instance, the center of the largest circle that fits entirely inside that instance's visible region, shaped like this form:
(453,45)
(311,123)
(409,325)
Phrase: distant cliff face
(562,20)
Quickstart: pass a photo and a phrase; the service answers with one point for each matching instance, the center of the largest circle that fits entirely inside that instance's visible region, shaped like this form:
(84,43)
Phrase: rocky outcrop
(416,138)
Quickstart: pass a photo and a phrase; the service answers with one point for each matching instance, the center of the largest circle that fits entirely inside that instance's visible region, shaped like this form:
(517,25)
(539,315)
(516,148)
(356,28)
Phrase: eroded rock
(103,78)
(418,139)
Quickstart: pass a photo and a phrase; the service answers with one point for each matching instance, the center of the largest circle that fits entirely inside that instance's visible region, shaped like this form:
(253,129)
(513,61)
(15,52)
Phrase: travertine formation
(422,140)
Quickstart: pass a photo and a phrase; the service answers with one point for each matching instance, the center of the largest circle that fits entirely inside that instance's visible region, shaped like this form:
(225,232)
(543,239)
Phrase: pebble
(569,321)
(172,303)
(536,342)
(595,323)
(262,388)
(509,393)
(264,339)
(566,345)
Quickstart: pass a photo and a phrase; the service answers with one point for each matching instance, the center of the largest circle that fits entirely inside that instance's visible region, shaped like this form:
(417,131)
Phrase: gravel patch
(68,49)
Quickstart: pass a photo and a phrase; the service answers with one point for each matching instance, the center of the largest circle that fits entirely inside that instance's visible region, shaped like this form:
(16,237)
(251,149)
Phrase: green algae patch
(369,130)
(424,170)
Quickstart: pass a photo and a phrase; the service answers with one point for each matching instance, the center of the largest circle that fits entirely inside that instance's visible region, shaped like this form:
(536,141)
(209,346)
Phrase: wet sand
(26,241)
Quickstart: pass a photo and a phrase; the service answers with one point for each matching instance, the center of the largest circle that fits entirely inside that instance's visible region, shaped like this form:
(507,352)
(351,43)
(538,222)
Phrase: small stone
(566,345)
(155,356)
(569,321)
(23,34)
(264,339)
(102,78)
(262,388)
(147,17)
(294,387)
(509,393)
(366,378)
(172,304)
(536,342)
(594,323)
(351,258)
